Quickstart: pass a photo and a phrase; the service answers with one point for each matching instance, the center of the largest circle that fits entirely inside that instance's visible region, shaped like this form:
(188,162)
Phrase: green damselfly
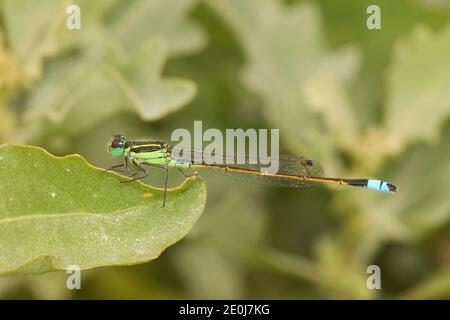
(294,171)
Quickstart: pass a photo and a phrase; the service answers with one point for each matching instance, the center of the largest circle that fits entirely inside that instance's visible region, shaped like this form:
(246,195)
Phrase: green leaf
(119,72)
(424,177)
(418,99)
(127,24)
(61,211)
(95,90)
(31,31)
(152,95)
(143,20)
(84,77)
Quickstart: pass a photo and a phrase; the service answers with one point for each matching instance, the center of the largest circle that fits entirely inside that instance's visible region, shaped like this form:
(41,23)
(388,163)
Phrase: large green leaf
(56,212)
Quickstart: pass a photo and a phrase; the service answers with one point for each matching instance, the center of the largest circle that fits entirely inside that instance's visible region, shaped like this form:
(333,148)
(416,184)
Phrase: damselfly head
(116,146)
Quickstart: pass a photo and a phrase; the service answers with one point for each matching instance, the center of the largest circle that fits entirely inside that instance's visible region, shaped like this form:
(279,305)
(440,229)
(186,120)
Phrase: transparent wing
(249,168)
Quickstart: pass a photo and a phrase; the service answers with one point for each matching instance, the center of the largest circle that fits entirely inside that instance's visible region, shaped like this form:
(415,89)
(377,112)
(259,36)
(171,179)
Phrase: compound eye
(117,144)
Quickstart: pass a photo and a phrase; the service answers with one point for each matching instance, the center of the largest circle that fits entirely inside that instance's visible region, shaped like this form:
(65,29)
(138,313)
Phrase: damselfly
(294,171)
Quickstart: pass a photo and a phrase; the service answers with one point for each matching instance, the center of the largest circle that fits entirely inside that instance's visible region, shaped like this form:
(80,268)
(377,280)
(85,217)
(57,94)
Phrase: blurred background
(364,103)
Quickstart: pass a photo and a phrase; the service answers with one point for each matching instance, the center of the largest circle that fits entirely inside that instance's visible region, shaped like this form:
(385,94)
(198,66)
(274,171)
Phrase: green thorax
(153,154)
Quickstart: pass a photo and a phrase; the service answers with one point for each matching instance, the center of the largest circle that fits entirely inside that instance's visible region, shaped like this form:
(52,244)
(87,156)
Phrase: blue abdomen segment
(379,185)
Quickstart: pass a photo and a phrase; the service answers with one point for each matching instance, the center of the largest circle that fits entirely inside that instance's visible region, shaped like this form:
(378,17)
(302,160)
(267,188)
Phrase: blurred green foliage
(362,102)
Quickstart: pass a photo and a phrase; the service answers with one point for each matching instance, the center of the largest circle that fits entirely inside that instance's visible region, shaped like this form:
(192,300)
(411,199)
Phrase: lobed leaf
(141,81)
(114,68)
(418,99)
(60,211)
(143,20)
(31,32)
